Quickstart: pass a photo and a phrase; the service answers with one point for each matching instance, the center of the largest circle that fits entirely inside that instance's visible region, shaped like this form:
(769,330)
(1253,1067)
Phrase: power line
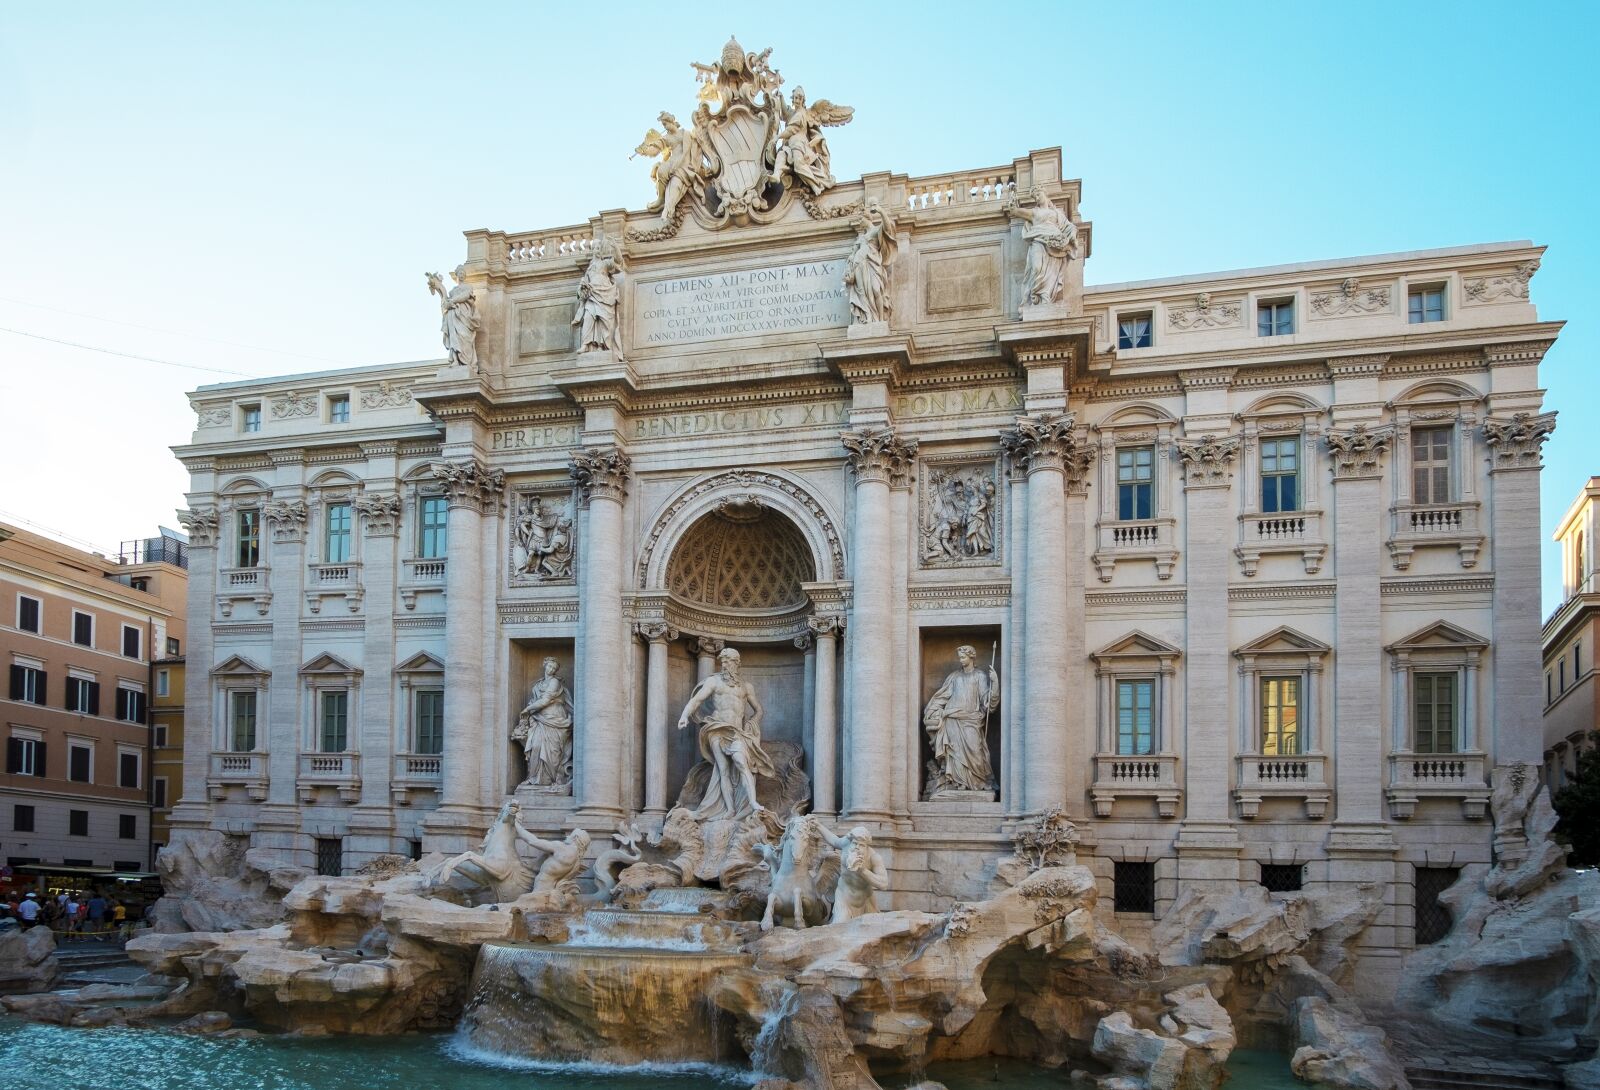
(171,332)
(59,535)
(127,355)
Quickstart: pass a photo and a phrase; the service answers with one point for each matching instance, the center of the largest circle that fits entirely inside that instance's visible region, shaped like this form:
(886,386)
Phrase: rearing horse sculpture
(800,886)
(495,866)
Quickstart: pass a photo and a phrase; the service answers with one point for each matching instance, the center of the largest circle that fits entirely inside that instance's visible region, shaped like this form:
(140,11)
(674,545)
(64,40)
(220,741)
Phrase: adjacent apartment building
(79,633)
(1571,711)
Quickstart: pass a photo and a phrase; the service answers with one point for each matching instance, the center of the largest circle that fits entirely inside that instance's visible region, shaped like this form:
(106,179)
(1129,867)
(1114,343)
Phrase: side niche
(544,531)
(961,714)
(959,513)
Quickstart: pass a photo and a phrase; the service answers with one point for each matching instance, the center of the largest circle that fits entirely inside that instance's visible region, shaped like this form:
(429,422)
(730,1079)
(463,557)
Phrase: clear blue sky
(279,176)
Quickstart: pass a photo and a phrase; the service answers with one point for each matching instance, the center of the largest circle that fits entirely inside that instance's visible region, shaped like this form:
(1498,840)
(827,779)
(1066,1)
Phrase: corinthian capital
(1359,452)
(1517,442)
(655,632)
(877,454)
(1047,441)
(825,624)
(469,483)
(1208,460)
(287,519)
(380,512)
(201,525)
(602,471)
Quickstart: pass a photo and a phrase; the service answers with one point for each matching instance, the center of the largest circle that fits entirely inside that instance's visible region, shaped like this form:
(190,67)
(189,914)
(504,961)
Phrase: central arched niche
(737,574)
(743,556)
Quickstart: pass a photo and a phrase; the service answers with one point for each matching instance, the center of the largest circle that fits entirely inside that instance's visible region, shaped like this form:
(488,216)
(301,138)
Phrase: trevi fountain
(776,749)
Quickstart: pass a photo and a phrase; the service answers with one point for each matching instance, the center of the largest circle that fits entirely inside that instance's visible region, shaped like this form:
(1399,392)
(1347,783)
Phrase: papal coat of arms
(746,149)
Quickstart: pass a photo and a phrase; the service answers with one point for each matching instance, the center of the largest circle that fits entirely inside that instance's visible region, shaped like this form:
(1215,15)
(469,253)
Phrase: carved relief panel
(543,541)
(958,514)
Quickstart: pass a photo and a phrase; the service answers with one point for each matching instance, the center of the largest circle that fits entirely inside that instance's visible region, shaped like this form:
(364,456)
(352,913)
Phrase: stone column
(656,635)
(200,701)
(706,649)
(874,454)
(1046,445)
(808,693)
(279,731)
(1515,659)
(471,488)
(1359,511)
(374,739)
(825,724)
(1014,679)
(1079,732)
(906,776)
(603,473)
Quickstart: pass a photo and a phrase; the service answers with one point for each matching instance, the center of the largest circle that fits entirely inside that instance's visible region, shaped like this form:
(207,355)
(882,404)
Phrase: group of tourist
(71,912)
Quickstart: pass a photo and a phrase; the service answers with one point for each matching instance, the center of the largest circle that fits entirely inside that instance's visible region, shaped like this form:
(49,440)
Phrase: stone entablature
(859,505)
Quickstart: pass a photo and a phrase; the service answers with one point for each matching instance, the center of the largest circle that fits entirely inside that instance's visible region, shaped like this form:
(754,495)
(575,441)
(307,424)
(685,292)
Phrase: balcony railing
(1295,776)
(1418,525)
(1153,775)
(415,772)
(1416,776)
(340,771)
(340,580)
(1294,532)
(1141,539)
(229,769)
(237,585)
(421,574)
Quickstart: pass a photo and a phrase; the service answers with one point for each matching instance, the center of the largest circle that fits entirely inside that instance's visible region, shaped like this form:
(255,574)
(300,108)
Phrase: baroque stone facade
(1253,554)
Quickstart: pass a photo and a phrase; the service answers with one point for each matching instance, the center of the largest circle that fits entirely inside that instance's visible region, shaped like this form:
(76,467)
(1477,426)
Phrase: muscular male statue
(730,739)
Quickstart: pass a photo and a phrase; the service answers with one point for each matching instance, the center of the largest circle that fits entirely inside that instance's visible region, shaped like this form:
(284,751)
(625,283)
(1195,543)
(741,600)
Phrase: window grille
(330,855)
(1282,877)
(1433,918)
(1134,886)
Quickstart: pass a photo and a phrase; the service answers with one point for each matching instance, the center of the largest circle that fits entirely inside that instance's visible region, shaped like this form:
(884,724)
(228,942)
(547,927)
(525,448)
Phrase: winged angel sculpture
(745,148)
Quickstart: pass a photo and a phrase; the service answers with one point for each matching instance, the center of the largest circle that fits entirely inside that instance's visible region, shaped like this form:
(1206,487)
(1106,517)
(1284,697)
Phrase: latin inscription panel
(772,300)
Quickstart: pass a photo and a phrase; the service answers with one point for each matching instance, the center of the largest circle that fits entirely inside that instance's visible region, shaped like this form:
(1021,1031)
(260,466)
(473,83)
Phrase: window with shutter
(1430,465)
(1434,718)
(79,763)
(27,613)
(78,823)
(128,770)
(335,720)
(82,629)
(27,684)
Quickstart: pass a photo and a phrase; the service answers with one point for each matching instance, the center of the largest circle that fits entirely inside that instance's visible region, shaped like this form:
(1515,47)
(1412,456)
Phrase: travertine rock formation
(213,883)
(28,961)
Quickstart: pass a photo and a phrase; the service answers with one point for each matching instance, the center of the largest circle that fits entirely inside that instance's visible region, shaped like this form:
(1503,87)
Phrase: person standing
(97,912)
(28,910)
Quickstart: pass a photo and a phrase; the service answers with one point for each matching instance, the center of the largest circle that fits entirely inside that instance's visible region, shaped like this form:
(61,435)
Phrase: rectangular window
(83,696)
(27,613)
(1425,305)
(1274,318)
(27,684)
(1134,886)
(250,418)
(1432,915)
(1136,716)
(127,866)
(1280,716)
(1561,673)
(330,855)
(248,554)
(242,714)
(158,791)
(82,629)
(128,770)
(1547,696)
(338,537)
(1430,465)
(127,826)
(24,756)
(80,763)
(132,642)
(1280,475)
(1282,877)
(78,862)
(77,823)
(1135,482)
(431,527)
(163,682)
(159,731)
(415,847)
(1134,330)
(339,409)
(172,647)
(430,721)
(130,705)
(22,818)
(335,720)
(1434,719)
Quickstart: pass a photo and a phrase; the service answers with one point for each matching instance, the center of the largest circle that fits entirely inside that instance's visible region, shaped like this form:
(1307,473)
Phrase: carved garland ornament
(386,395)
(1204,315)
(1350,300)
(1517,442)
(469,483)
(744,479)
(602,472)
(216,418)
(1488,289)
(1359,452)
(293,404)
(1209,459)
(877,454)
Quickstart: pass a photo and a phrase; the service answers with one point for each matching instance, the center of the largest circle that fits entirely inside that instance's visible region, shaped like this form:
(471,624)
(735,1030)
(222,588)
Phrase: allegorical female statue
(956,720)
(598,294)
(458,318)
(866,277)
(1052,240)
(545,730)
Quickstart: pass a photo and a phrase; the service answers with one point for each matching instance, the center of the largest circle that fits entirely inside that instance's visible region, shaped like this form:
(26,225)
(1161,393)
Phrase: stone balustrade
(1417,776)
(1301,776)
(340,771)
(1152,775)
(1300,533)
(229,769)
(1419,525)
